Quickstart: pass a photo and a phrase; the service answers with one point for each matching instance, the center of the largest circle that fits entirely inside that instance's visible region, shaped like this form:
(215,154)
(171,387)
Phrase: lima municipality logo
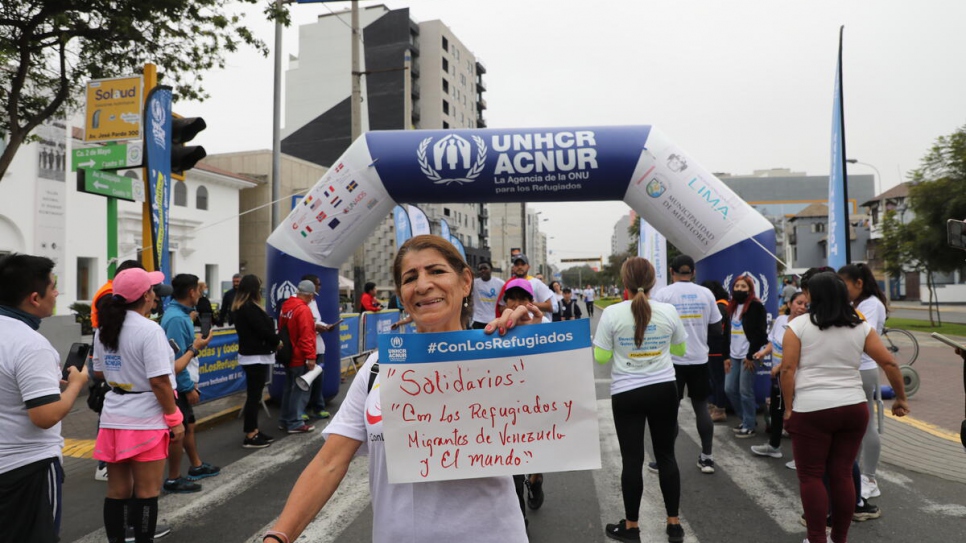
(451,159)
(396,342)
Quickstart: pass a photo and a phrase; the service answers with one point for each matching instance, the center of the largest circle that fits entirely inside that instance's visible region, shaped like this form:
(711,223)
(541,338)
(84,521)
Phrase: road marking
(925,427)
(79,448)
(182,509)
(607,482)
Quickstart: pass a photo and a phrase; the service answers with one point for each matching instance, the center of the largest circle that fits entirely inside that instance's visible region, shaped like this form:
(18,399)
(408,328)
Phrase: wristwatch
(193,351)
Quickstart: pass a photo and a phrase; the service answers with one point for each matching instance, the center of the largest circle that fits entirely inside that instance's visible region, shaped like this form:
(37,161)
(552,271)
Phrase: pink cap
(132,283)
(517,282)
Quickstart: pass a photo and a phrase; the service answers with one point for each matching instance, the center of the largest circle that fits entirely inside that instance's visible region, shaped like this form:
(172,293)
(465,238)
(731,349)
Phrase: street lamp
(878,176)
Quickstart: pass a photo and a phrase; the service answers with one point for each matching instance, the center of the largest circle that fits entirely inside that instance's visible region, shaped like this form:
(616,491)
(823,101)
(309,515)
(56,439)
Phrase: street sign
(109,184)
(113,156)
(114,108)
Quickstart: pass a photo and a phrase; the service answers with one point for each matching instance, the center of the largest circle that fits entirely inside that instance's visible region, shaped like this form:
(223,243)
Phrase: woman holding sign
(640,336)
(435,285)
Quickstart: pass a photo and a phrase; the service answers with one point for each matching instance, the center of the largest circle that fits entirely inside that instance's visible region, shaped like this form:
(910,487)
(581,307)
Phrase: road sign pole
(111,237)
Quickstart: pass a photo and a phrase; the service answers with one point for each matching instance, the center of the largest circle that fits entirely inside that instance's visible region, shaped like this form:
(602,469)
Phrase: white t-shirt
(634,366)
(486,510)
(142,353)
(778,327)
(697,308)
(485,295)
(542,293)
(29,370)
(589,295)
(875,314)
(828,370)
(319,344)
(739,343)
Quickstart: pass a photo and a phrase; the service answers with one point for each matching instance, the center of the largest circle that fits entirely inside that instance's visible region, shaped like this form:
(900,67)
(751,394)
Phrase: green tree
(50,48)
(938,194)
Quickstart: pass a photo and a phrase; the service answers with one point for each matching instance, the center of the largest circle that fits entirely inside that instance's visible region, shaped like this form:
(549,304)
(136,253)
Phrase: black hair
(811,272)
(183,284)
(716,289)
(788,306)
(22,275)
(517,293)
(567,291)
(870,288)
(829,302)
(369,286)
(111,313)
(127,265)
(312,277)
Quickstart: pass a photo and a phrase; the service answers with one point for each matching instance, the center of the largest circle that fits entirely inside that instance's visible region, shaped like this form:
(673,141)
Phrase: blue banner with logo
(376,324)
(838,198)
(349,335)
(418,221)
(218,371)
(157,154)
(507,165)
(403,230)
(459,246)
(444,231)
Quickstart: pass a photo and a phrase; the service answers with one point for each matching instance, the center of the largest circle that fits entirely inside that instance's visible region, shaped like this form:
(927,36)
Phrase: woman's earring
(466,301)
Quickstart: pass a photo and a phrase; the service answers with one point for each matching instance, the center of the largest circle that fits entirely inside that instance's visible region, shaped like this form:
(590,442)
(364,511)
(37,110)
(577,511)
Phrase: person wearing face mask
(203,306)
(749,333)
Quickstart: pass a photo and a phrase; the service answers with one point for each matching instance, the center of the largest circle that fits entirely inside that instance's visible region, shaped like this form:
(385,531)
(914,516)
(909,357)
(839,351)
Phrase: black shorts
(185,407)
(696,377)
(30,501)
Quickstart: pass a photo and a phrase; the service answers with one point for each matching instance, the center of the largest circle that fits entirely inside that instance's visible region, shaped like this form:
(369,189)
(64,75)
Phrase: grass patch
(915,325)
(604,302)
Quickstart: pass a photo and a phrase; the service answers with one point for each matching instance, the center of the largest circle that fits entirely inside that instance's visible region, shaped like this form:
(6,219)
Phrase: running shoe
(870,487)
(181,486)
(535,492)
(738,428)
(865,511)
(675,533)
(767,450)
(790,465)
(160,531)
(621,532)
(304,429)
(256,442)
(319,414)
(706,466)
(203,471)
(745,433)
(266,437)
(100,473)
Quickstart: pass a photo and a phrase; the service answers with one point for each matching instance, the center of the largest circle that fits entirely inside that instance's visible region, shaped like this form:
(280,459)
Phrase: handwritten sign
(461,405)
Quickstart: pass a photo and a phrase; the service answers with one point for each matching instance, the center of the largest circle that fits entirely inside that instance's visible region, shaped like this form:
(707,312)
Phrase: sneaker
(652,467)
(319,414)
(706,465)
(181,486)
(203,471)
(738,428)
(304,416)
(675,533)
(767,450)
(160,531)
(744,433)
(100,473)
(535,492)
(304,429)
(266,437)
(865,512)
(870,487)
(256,442)
(621,532)
(719,415)
(790,465)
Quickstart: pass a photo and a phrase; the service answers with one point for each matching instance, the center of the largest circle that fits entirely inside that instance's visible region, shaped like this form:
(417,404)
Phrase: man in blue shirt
(180,328)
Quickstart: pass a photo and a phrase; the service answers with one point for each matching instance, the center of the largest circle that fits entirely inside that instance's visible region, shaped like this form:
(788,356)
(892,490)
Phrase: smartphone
(338,322)
(956,234)
(76,357)
(205,319)
(174,347)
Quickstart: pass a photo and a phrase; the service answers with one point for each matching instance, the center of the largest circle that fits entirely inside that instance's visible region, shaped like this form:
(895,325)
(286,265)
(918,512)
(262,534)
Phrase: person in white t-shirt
(641,335)
(140,414)
(699,313)
(557,291)
(434,283)
(486,291)
(828,416)
(542,295)
(870,302)
(589,300)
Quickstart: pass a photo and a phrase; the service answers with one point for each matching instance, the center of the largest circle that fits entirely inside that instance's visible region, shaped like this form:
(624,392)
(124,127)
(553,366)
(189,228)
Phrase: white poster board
(461,405)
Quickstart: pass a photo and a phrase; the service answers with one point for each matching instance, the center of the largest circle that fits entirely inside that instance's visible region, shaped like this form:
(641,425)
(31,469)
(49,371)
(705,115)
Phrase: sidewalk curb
(215,419)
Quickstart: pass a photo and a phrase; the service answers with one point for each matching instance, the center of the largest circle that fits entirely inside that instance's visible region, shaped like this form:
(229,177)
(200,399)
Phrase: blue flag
(403,229)
(157,152)
(838,198)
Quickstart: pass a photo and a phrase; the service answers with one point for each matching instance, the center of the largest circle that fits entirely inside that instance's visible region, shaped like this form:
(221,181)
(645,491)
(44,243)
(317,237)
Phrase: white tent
(345,283)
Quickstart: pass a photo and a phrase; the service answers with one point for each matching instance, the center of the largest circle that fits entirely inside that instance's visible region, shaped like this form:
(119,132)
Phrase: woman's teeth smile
(429,302)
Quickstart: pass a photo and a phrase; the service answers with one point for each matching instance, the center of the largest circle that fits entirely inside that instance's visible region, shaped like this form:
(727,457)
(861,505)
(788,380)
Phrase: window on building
(445,125)
(201,198)
(446,211)
(463,80)
(445,107)
(445,65)
(456,93)
(445,44)
(180,194)
(818,227)
(456,53)
(86,277)
(445,87)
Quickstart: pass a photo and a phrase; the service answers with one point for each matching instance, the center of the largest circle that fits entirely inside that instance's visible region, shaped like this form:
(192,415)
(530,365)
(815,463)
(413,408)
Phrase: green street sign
(109,184)
(114,156)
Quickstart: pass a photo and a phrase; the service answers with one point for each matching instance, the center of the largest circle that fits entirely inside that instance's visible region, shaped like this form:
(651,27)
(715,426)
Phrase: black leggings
(777,413)
(255,377)
(656,405)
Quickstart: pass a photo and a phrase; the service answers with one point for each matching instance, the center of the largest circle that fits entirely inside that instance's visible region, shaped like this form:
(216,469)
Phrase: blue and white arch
(637,164)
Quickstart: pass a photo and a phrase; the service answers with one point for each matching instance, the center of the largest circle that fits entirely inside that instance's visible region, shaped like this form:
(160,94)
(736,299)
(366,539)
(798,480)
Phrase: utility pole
(523,227)
(276,208)
(355,108)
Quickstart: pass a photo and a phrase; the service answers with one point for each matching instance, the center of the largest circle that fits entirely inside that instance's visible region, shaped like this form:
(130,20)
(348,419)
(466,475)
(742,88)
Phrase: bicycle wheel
(902,344)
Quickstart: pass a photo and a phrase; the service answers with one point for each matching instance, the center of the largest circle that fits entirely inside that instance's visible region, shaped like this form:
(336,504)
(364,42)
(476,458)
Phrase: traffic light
(184,157)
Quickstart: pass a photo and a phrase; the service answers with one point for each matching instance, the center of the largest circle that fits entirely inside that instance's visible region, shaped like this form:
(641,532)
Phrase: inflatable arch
(637,164)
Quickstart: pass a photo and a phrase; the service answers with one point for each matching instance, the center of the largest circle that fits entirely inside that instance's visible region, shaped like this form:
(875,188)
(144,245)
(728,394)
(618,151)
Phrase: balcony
(415,92)
(480,86)
(415,115)
(480,122)
(414,69)
(480,104)
(480,67)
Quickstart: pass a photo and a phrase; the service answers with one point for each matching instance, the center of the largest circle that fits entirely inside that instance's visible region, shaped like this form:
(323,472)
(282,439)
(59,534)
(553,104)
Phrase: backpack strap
(373,372)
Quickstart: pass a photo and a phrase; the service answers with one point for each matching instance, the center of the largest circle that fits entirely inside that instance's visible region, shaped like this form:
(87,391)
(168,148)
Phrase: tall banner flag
(418,221)
(459,246)
(839,253)
(157,153)
(652,245)
(403,230)
(444,231)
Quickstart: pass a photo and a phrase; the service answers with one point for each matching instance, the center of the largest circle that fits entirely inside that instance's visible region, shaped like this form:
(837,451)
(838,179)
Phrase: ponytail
(638,276)
(111,313)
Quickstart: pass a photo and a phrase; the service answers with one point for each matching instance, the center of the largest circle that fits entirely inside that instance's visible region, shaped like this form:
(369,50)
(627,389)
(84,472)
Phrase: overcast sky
(741,85)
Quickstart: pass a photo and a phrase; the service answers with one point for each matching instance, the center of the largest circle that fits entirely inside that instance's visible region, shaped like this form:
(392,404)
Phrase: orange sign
(114,109)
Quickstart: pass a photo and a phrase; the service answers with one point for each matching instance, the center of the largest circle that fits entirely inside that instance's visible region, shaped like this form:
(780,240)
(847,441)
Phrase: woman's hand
(193,397)
(900,408)
(520,315)
(177,432)
(775,370)
(727,365)
(749,364)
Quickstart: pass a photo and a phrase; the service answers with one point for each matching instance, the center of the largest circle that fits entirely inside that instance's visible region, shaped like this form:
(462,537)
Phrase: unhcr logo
(282,292)
(396,342)
(452,159)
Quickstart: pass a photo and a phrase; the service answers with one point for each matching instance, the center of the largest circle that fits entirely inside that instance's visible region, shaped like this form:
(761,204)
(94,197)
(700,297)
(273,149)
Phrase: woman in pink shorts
(139,417)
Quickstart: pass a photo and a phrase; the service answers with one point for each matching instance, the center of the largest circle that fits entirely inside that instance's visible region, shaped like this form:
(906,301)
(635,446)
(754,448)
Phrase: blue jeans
(316,401)
(740,388)
(294,399)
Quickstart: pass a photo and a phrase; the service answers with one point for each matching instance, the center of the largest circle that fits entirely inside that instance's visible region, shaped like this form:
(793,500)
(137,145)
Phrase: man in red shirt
(296,319)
